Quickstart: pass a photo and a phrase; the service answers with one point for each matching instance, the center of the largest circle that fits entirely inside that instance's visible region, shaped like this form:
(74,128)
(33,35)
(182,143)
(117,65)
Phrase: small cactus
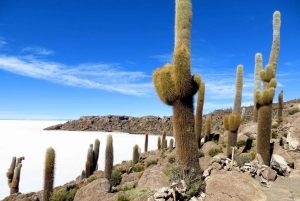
(109,157)
(207,127)
(135,155)
(158,143)
(146,142)
(163,137)
(280,106)
(49,174)
(13,174)
(96,154)
(171,144)
(231,124)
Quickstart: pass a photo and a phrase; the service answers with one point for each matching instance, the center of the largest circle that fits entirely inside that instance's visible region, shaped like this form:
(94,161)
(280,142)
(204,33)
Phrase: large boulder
(280,165)
(233,186)
(92,191)
(153,178)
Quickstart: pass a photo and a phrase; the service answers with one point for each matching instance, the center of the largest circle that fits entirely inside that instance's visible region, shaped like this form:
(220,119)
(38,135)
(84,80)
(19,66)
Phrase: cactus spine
(199,111)
(109,157)
(175,86)
(135,154)
(146,142)
(49,174)
(264,99)
(257,82)
(238,90)
(280,106)
(207,127)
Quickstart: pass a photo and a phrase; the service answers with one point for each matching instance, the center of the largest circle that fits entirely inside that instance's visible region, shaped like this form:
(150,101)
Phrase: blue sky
(66,59)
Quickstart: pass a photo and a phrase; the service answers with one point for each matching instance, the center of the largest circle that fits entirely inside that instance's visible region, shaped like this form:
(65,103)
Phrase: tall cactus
(13,174)
(264,99)
(280,106)
(96,154)
(175,86)
(257,82)
(49,174)
(231,124)
(238,90)
(199,111)
(207,129)
(158,143)
(109,157)
(146,142)
(135,154)
(163,137)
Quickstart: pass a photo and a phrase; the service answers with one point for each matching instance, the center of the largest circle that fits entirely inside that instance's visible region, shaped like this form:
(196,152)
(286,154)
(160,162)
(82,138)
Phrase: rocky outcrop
(128,124)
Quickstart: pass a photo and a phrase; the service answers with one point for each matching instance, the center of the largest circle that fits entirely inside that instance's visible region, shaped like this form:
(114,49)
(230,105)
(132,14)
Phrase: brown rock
(153,179)
(205,162)
(94,190)
(269,174)
(233,186)
(209,145)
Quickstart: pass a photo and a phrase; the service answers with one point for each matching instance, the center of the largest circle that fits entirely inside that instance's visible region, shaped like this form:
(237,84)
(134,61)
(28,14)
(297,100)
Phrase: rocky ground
(157,175)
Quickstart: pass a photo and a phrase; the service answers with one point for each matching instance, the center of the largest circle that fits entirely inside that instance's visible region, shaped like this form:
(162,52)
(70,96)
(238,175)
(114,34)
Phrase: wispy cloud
(2,41)
(165,58)
(37,50)
(109,77)
(292,63)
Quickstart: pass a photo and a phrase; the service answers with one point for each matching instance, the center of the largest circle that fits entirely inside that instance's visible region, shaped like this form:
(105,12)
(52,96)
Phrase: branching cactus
(207,127)
(264,99)
(146,142)
(257,82)
(135,154)
(175,86)
(49,174)
(231,124)
(13,174)
(109,157)
(199,111)
(280,106)
(238,90)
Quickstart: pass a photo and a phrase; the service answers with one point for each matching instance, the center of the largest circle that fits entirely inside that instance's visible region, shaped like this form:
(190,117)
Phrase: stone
(233,186)
(279,164)
(158,195)
(153,178)
(94,189)
(269,174)
(204,162)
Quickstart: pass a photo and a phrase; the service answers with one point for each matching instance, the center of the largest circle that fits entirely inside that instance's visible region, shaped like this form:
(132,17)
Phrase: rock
(279,151)
(233,186)
(208,146)
(153,178)
(269,174)
(279,164)
(93,190)
(292,142)
(158,195)
(204,162)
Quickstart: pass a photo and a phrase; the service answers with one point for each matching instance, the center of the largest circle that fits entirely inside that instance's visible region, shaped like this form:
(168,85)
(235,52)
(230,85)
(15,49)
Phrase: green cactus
(280,106)
(109,157)
(13,174)
(176,87)
(87,169)
(231,124)
(95,155)
(257,82)
(171,144)
(207,128)
(90,158)
(135,154)
(49,174)
(199,111)
(158,143)
(238,90)
(163,137)
(264,99)
(146,142)
(165,144)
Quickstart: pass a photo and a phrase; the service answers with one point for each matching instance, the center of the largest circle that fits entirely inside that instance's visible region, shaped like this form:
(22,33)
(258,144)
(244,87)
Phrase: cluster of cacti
(49,174)
(91,163)
(109,157)
(207,129)
(257,82)
(264,99)
(238,90)
(280,106)
(231,124)
(13,174)
(199,111)
(158,143)
(146,142)
(135,154)
(176,86)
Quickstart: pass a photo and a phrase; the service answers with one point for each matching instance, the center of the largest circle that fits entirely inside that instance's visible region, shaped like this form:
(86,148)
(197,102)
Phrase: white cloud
(109,77)
(2,42)
(37,50)
(292,63)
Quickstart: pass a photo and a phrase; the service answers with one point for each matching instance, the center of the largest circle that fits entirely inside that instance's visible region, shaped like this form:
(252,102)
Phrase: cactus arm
(199,111)
(238,90)
(257,82)
(96,154)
